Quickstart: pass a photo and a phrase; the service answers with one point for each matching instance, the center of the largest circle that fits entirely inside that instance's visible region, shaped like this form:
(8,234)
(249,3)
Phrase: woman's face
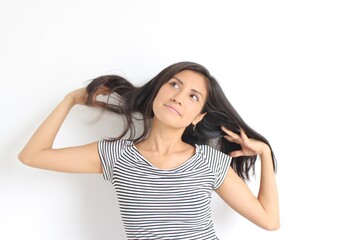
(180,100)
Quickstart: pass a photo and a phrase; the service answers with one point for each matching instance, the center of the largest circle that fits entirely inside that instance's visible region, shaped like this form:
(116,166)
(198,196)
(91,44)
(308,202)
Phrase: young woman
(193,142)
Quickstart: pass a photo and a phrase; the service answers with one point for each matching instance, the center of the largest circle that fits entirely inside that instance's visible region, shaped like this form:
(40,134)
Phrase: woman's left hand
(250,146)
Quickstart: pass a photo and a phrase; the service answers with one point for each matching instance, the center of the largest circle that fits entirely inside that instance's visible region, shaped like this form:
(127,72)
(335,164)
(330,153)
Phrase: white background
(283,64)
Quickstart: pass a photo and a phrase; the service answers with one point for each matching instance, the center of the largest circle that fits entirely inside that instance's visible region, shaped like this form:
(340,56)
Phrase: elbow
(21,157)
(272,226)
(24,158)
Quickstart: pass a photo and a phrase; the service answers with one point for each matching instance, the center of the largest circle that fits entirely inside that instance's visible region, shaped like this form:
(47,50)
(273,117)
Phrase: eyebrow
(194,90)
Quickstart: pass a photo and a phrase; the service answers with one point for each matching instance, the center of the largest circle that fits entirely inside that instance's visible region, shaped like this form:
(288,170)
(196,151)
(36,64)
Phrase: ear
(198,118)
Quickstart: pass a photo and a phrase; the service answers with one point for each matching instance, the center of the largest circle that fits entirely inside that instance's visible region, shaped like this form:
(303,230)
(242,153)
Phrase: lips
(173,109)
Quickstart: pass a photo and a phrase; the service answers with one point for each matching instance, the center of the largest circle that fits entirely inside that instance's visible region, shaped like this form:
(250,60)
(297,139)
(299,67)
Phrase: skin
(177,104)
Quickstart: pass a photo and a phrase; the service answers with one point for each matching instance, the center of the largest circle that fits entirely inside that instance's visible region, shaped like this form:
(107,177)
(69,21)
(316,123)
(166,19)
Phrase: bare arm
(262,210)
(38,151)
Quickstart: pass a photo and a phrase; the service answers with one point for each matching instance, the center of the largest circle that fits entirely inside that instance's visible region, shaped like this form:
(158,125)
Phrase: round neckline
(170,169)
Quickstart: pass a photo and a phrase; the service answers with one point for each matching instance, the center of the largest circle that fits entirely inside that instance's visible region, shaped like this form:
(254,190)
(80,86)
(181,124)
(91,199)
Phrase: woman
(193,142)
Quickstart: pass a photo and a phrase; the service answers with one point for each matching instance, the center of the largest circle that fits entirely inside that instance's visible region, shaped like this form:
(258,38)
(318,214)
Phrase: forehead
(193,80)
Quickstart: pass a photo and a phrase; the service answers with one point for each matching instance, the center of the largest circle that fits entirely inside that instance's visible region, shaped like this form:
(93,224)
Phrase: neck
(163,139)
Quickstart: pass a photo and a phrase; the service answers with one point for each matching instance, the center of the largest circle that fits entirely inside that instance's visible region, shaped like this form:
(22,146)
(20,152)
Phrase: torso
(157,203)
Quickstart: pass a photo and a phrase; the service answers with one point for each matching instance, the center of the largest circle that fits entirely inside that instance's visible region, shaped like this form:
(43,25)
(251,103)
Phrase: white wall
(283,64)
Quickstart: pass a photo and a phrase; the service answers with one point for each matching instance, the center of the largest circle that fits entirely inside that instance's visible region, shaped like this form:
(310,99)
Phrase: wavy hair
(208,131)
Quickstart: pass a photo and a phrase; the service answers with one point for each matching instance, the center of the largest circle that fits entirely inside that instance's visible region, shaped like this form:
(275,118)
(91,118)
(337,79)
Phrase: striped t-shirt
(164,204)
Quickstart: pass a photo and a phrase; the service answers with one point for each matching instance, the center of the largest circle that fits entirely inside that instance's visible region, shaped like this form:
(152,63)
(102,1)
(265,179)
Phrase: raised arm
(262,210)
(38,151)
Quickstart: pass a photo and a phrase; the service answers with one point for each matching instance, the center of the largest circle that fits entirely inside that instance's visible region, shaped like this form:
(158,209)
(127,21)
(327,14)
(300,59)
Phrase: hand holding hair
(80,96)
(250,146)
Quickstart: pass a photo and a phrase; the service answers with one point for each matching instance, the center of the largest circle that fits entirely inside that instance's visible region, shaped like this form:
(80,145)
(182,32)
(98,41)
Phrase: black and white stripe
(164,204)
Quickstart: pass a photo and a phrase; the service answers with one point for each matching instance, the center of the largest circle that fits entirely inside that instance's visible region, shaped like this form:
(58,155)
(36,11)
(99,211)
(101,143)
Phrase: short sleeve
(109,152)
(219,164)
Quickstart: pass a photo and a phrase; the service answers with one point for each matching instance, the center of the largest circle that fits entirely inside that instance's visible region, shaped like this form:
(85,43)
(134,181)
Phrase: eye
(194,97)
(174,84)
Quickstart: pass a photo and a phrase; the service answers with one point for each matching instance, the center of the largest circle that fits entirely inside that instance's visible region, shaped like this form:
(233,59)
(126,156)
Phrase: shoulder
(114,144)
(209,152)
(217,162)
(213,157)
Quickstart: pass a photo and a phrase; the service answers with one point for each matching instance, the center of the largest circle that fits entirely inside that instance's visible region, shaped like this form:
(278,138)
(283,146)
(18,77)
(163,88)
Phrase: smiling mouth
(172,109)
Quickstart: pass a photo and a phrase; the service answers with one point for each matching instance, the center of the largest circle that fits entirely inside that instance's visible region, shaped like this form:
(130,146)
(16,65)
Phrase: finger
(237,153)
(103,90)
(229,132)
(243,135)
(235,139)
(99,104)
(242,132)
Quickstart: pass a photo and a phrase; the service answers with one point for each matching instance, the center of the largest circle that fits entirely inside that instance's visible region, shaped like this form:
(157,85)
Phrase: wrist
(265,151)
(69,100)
(76,97)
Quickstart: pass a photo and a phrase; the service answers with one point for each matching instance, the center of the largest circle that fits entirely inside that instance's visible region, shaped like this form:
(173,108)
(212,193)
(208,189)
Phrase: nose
(173,99)
(177,98)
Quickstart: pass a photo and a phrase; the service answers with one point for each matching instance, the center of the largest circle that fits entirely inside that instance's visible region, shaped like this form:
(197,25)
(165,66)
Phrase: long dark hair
(208,131)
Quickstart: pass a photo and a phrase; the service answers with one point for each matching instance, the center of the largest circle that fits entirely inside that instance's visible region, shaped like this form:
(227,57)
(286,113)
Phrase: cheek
(162,93)
(194,109)
(159,99)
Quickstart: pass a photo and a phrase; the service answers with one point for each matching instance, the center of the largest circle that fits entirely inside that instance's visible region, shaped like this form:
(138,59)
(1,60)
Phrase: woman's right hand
(78,96)
(39,151)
